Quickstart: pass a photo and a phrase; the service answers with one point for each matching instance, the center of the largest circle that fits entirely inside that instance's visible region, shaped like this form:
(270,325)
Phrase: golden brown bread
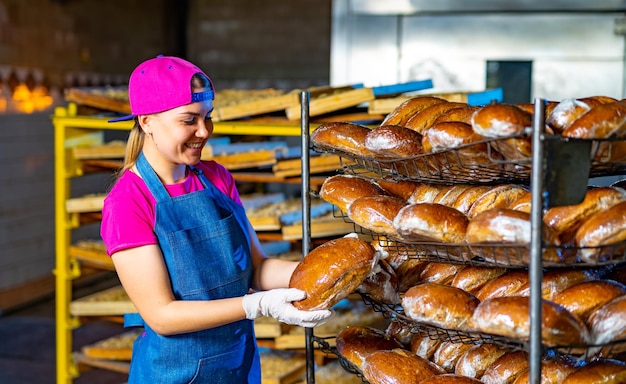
(509,317)
(355,343)
(506,368)
(461,114)
(393,141)
(522,204)
(502,120)
(424,119)
(448,353)
(398,366)
(603,228)
(600,122)
(408,108)
(431,222)
(332,271)
(499,196)
(382,284)
(607,371)
(556,280)
(449,135)
(466,199)
(568,110)
(477,359)
(472,278)
(440,305)
(424,346)
(401,332)
(426,193)
(409,273)
(441,273)
(553,371)
(488,233)
(608,323)
(376,213)
(450,378)
(448,196)
(342,190)
(506,284)
(399,188)
(342,136)
(530,107)
(584,298)
(568,218)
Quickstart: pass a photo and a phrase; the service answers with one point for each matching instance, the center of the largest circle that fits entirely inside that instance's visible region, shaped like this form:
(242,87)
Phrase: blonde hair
(137,136)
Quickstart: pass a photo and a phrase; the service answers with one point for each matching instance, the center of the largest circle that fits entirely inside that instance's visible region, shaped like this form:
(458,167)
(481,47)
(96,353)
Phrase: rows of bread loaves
(477,215)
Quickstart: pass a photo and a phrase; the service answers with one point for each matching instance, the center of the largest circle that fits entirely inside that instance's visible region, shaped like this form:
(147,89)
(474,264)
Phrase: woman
(182,245)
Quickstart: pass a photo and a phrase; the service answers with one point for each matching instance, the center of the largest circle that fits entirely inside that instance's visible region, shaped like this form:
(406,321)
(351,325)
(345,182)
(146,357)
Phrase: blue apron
(205,242)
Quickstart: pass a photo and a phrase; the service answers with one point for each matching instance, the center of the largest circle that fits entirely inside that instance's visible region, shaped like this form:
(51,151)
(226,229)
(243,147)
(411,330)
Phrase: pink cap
(162,83)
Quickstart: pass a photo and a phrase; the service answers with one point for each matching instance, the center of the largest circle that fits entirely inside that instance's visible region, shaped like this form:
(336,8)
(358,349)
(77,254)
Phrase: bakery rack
(554,174)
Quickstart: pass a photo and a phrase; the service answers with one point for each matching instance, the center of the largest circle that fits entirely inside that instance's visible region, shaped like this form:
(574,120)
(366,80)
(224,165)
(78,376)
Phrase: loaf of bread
(608,323)
(382,284)
(448,196)
(424,346)
(499,196)
(426,193)
(477,359)
(522,204)
(586,297)
(530,107)
(467,198)
(410,107)
(507,284)
(342,190)
(341,136)
(399,188)
(398,366)
(556,280)
(376,213)
(424,119)
(448,353)
(441,273)
(355,343)
(401,331)
(462,115)
(503,120)
(602,229)
(394,142)
(450,378)
(332,271)
(553,370)
(410,273)
(568,218)
(440,305)
(502,226)
(605,371)
(506,368)
(431,222)
(568,110)
(472,278)
(509,317)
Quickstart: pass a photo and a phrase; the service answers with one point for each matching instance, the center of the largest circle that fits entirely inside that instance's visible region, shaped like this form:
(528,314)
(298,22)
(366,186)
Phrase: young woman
(182,245)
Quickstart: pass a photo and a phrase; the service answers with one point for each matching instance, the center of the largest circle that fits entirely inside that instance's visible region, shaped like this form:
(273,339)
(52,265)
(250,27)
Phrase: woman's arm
(144,277)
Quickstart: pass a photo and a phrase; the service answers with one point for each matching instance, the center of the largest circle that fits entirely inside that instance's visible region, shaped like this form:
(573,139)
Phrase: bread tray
(452,167)
(490,254)
(582,352)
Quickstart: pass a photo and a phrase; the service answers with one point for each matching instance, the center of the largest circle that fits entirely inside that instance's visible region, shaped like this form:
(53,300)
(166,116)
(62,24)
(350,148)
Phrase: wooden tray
(118,347)
(334,102)
(88,203)
(110,302)
(91,253)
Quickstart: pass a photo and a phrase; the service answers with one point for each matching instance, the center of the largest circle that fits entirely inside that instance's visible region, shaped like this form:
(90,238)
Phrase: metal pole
(306,220)
(536,241)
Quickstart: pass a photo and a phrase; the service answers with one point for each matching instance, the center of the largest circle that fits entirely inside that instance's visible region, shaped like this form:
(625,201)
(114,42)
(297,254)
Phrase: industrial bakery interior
(451,175)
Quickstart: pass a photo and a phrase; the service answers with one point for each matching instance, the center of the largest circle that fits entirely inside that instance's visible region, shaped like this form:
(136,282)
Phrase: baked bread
(522,204)
(470,148)
(553,370)
(441,273)
(530,107)
(489,232)
(477,359)
(461,114)
(586,297)
(499,196)
(355,343)
(410,107)
(399,188)
(568,110)
(426,193)
(608,323)
(467,198)
(568,218)
(602,229)
(440,305)
(556,280)
(410,273)
(332,271)
(382,284)
(507,284)
(506,368)
(398,366)
(450,378)
(376,213)
(499,121)
(394,142)
(448,196)
(472,278)
(509,317)
(424,346)
(431,222)
(342,190)
(341,136)
(448,353)
(424,119)
(606,371)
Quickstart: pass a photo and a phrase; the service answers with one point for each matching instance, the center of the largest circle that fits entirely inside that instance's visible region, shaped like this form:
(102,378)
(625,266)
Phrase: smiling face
(175,138)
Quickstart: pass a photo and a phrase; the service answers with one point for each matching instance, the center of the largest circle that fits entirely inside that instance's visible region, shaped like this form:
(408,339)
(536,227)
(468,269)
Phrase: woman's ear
(144,123)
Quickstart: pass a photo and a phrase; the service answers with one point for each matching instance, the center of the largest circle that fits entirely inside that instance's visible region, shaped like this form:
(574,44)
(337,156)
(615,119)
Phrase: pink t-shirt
(129,209)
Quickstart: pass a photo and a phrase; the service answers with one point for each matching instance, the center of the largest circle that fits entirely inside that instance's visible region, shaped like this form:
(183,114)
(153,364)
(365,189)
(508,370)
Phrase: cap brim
(123,118)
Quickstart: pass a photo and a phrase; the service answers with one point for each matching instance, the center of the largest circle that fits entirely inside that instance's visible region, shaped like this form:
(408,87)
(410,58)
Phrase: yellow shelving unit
(72,130)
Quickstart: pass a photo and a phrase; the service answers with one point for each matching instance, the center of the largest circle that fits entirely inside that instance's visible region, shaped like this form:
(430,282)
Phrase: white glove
(277,303)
